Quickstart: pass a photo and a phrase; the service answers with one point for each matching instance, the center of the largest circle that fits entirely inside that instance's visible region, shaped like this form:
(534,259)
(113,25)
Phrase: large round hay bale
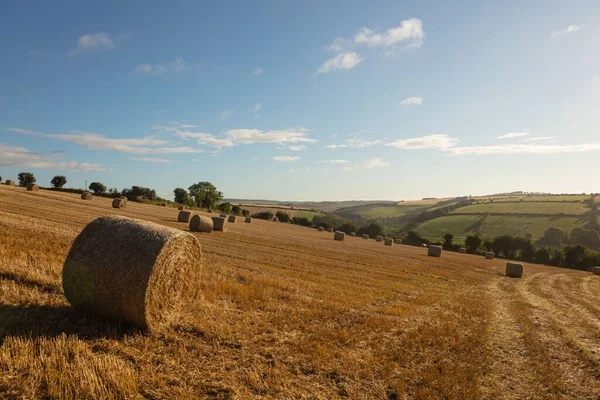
(32,187)
(133,271)
(434,251)
(339,236)
(398,241)
(86,196)
(210,211)
(275,219)
(181,207)
(330,230)
(489,255)
(596,270)
(514,270)
(321,229)
(462,250)
(231,219)
(248,220)
(119,203)
(184,216)
(10,182)
(379,238)
(353,234)
(163,204)
(389,242)
(365,236)
(219,223)
(199,223)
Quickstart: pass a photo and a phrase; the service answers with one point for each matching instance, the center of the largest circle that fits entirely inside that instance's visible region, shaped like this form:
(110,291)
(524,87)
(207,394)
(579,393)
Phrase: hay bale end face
(181,207)
(231,219)
(462,250)
(398,241)
(248,220)
(596,270)
(489,255)
(32,187)
(219,224)
(434,251)
(514,270)
(389,242)
(10,182)
(365,236)
(339,236)
(133,271)
(199,223)
(86,196)
(184,216)
(119,203)
(379,238)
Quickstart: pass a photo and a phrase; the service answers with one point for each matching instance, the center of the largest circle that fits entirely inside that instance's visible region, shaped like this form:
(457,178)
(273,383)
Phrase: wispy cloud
(412,101)
(356,140)
(334,162)
(512,135)
(15,156)
(335,146)
(523,149)
(568,30)
(537,138)
(425,142)
(286,158)
(151,160)
(92,41)
(297,147)
(341,61)
(226,114)
(258,70)
(369,164)
(410,30)
(257,107)
(177,66)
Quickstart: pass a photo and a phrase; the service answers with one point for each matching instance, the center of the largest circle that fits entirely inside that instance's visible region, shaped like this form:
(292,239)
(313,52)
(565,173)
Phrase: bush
(137,193)
(180,196)
(268,215)
(373,230)
(282,217)
(224,207)
(448,238)
(245,213)
(97,187)
(58,181)
(472,244)
(347,228)
(414,239)
(303,221)
(26,178)
(236,210)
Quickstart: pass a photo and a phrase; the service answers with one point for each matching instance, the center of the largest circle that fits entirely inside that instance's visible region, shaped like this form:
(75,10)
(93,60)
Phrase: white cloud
(285,158)
(513,135)
(339,44)
(258,70)
(412,101)
(355,140)
(297,148)
(410,30)
(94,141)
(92,41)
(15,156)
(226,114)
(523,149)
(257,107)
(341,61)
(205,138)
(537,138)
(335,146)
(566,31)
(369,164)
(425,142)
(336,162)
(151,160)
(176,67)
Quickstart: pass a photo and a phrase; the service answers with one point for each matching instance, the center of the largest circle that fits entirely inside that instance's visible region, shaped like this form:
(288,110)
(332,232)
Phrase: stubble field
(289,313)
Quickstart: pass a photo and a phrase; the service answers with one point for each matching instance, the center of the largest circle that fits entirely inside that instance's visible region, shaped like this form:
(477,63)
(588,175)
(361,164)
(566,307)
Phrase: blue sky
(304,101)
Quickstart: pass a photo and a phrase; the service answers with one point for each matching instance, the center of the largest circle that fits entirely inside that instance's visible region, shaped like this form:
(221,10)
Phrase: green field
(463,225)
(566,197)
(389,211)
(525,207)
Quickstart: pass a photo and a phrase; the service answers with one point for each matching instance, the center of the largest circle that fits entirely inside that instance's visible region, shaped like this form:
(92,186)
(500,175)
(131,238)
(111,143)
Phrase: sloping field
(292,212)
(538,198)
(525,207)
(289,313)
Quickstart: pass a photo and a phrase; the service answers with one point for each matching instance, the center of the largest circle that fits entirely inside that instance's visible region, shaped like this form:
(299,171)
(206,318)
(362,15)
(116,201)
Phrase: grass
(536,198)
(291,212)
(289,313)
(526,207)
(389,211)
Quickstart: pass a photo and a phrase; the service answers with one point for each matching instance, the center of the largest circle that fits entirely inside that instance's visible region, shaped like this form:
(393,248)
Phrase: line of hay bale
(596,270)
(434,251)
(489,255)
(321,229)
(184,216)
(389,242)
(330,230)
(398,241)
(200,223)
(133,271)
(339,236)
(219,224)
(379,238)
(181,207)
(32,187)
(231,219)
(248,220)
(462,250)
(10,182)
(86,196)
(353,234)
(365,236)
(514,270)
(119,203)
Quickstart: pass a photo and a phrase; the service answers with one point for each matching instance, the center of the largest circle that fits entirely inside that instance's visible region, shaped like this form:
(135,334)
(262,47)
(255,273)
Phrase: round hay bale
(184,216)
(275,219)
(199,223)
(181,207)
(514,270)
(10,182)
(365,236)
(248,220)
(86,196)
(489,255)
(163,204)
(321,229)
(223,215)
(231,219)
(32,187)
(379,238)
(119,203)
(398,241)
(353,234)
(330,230)
(219,223)
(339,236)
(462,250)
(133,271)
(210,211)
(434,251)
(425,245)
(389,242)
(596,270)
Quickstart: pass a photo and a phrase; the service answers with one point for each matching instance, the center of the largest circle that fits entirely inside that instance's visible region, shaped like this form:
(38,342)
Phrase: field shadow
(45,321)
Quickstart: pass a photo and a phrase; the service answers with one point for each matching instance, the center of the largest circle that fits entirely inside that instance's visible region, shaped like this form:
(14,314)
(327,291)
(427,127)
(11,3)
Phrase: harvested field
(289,313)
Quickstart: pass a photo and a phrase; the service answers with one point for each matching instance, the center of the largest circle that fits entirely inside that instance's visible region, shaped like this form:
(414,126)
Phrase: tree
(414,239)
(205,194)
(180,196)
(282,217)
(574,255)
(225,208)
(245,213)
(347,227)
(268,215)
(553,237)
(586,237)
(58,181)
(236,210)
(26,178)
(114,193)
(448,238)
(373,230)
(97,188)
(302,221)
(472,244)
(542,256)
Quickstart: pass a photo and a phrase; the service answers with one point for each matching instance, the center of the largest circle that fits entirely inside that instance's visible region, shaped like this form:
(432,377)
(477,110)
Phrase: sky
(315,100)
